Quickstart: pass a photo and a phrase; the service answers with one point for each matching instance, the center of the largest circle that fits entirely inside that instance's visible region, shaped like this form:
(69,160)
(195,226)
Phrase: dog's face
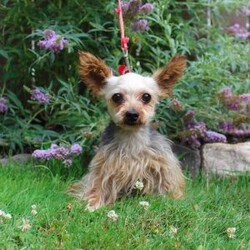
(131,98)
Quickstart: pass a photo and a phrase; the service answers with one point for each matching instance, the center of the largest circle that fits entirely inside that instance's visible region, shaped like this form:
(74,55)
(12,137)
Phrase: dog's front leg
(95,198)
(100,189)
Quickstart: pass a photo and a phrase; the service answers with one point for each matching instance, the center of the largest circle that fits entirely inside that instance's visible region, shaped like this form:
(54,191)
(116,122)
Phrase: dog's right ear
(93,71)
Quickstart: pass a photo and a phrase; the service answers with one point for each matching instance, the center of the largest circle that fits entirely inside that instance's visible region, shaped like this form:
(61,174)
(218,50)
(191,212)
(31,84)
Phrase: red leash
(124,42)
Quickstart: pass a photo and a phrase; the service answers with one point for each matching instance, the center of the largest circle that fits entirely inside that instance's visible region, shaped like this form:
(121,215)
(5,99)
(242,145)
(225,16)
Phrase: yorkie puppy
(130,149)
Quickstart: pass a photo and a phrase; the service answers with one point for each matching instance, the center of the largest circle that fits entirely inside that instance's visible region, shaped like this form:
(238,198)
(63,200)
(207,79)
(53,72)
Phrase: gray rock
(190,159)
(19,158)
(226,159)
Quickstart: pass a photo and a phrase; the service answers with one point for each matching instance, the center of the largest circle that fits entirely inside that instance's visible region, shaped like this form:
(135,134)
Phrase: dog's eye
(117,98)
(146,98)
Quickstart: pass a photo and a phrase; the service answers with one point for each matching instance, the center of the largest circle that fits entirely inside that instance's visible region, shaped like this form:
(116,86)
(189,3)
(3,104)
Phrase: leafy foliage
(216,60)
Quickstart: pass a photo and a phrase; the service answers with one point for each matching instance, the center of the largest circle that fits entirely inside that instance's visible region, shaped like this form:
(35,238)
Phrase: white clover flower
(8,216)
(144,204)
(139,185)
(33,207)
(173,230)
(5,215)
(231,232)
(33,210)
(26,225)
(113,215)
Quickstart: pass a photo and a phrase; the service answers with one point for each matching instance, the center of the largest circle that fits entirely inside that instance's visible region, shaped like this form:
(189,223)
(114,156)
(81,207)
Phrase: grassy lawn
(199,221)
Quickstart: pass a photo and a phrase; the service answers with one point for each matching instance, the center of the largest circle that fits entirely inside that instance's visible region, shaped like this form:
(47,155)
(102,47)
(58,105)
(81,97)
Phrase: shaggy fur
(130,149)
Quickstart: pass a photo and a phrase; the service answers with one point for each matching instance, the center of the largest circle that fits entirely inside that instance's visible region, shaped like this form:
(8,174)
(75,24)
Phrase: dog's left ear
(167,76)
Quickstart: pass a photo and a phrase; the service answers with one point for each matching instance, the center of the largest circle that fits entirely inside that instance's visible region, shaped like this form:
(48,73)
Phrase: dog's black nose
(131,116)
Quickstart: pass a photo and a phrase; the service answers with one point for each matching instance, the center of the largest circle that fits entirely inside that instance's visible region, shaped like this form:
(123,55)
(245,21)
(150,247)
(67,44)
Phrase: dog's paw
(91,208)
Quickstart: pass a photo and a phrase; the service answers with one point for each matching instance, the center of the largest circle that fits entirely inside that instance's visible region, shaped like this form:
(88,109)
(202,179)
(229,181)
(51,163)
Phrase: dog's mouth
(131,123)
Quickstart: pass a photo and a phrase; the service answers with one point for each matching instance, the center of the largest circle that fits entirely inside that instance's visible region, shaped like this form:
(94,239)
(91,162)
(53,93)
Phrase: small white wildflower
(173,230)
(33,207)
(144,204)
(113,215)
(33,210)
(231,232)
(26,225)
(139,185)
(8,216)
(5,215)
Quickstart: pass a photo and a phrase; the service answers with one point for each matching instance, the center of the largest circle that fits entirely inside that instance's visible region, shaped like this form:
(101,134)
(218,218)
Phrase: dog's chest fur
(125,157)
(133,142)
(134,151)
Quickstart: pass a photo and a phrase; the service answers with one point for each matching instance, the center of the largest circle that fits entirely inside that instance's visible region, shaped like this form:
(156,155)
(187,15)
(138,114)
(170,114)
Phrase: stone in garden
(19,158)
(190,159)
(226,159)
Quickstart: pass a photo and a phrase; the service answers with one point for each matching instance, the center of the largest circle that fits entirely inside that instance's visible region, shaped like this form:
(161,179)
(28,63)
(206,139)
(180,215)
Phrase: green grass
(202,217)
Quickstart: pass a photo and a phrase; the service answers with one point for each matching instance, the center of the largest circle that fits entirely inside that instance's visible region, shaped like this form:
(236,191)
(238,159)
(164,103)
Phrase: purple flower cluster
(146,8)
(197,133)
(245,11)
(233,130)
(52,41)
(40,96)
(239,103)
(132,10)
(226,92)
(211,136)
(238,31)
(140,25)
(58,152)
(3,105)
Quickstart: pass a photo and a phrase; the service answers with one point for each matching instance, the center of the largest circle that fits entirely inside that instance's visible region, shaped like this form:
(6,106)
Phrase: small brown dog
(130,150)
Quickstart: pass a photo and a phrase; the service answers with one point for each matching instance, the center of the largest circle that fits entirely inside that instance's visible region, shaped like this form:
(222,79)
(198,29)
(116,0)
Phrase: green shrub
(215,60)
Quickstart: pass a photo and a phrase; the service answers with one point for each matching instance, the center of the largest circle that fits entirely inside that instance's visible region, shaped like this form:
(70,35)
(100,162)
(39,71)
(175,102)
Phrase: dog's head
(131,98)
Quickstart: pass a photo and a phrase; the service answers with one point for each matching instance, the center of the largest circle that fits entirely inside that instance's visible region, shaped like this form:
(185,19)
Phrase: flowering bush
(239,105)
(43,101)
(237,30)
(196,132)
(132,11)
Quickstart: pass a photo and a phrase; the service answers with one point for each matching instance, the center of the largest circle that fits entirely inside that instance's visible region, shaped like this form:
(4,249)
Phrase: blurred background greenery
(198,29)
